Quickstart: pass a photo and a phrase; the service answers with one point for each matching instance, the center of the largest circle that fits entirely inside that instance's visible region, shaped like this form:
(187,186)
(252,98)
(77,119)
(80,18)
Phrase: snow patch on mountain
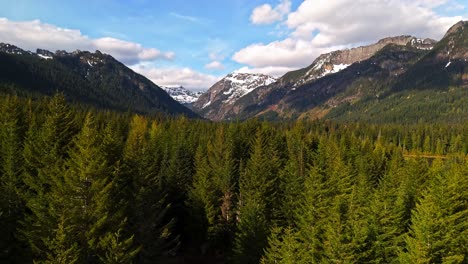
(241,84)
(207,104)
(45,57)
(321,69)
(182,95)
(335,69)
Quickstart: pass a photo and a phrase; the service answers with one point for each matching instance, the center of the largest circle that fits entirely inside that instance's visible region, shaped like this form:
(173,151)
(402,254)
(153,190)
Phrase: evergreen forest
(81,185)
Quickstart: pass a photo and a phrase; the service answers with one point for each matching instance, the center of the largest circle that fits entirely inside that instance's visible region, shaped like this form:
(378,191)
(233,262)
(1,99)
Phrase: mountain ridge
(91,78)
(324,65)
(182,94)
(382,70)
(228,91)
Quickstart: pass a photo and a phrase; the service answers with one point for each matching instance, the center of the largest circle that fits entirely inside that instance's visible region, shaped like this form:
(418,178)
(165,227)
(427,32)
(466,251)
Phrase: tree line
(86,186)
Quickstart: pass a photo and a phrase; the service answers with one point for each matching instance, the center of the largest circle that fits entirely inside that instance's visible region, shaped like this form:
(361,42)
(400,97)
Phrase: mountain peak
(91,78)
(249,80)
(11,49)
(338,60)
(401,40)
(229,90)
(182,94)
(454,28)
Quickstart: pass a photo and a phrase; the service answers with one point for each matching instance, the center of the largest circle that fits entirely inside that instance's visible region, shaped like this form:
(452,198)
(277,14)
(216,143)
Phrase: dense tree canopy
(88,186)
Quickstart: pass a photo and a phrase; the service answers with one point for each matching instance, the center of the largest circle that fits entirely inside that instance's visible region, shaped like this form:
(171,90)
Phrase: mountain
(444,66)
(398,79)
(434,89)
(265,99)
(338,60)
(399,83)
(94,79)
(218,100)
(182,95)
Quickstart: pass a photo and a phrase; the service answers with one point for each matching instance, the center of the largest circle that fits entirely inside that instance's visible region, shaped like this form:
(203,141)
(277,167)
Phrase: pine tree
(202,200)
(439,224)
(11,205)
(147,201)
(293,175)
(388,209)
(62,248)
(257,201)
(315,205)
(45,152)
(118,250)
(284,247)
(88,186)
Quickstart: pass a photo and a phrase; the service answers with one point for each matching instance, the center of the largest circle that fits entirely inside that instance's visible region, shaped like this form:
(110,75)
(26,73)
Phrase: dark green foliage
(45,153)
(258,203)
(408,107)
(108,84)
(284,247)
(100,187)
(439,223)
(11,205)
(212,197)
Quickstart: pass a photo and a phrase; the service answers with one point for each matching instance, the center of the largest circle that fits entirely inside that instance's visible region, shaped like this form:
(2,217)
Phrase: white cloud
(266,14)
(185,17)
(186,77)
(286,53)
(214,65)
(366,20)
(34,34)
(319,26)
(269,70)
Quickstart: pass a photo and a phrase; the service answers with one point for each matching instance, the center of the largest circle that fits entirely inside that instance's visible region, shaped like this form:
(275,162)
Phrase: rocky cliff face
(456,40)
(338,60)
(219,99)
(445,65)
(363,76)
(265,97)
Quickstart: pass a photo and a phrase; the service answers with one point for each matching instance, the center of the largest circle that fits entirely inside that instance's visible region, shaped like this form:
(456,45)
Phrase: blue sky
(194,43)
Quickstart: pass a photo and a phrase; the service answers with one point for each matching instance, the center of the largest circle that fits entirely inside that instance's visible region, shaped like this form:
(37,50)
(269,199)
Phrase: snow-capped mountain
(336,61)
(241,84)
(182,95)
(223,103)
(227,91)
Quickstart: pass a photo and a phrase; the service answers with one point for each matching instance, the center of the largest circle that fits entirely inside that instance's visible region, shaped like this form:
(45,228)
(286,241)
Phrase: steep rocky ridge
(265,97)
(225,93)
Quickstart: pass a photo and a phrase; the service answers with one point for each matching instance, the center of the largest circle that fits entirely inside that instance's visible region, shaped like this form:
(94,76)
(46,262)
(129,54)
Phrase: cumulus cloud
(266,14)
(366,20)
(285,53)
(214,65)
(319,26)
(34,34)
(186,77)
(275,71)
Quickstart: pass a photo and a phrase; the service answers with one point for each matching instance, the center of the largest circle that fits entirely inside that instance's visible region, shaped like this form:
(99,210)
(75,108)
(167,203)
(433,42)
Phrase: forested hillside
(88,186)
(92,79)
(400,80)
